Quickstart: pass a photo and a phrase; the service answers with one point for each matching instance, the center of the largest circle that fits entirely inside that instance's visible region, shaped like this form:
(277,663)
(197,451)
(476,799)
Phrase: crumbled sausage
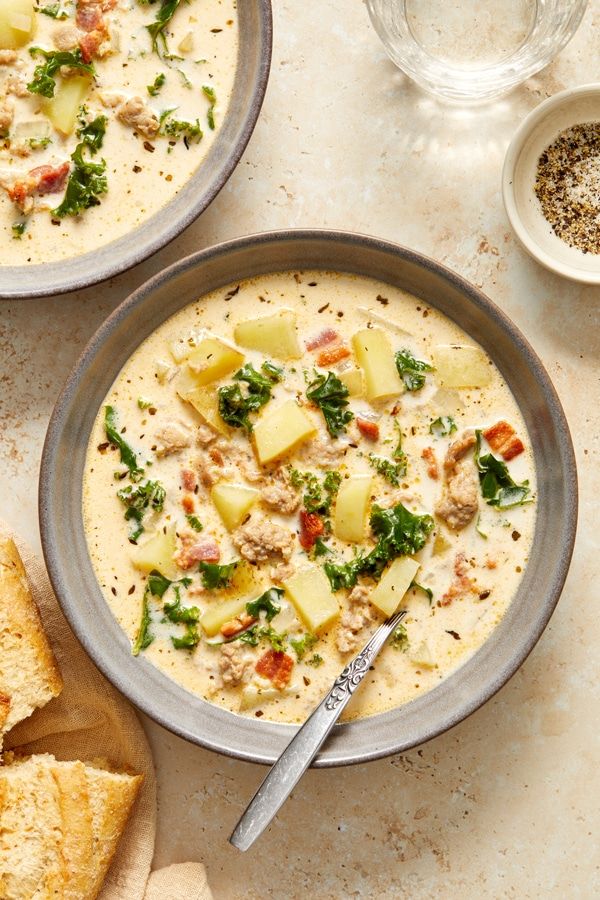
(460,497)
(8,57)
(234,663)
(16,85)
(323,452)
(172,438)
(280,495)
(354,619)
(192,550)
(204,435)
(282,572)
(66,37)
(259,540)
(135,113)
(7,112)
(237,625)
(429,456)
(461,583)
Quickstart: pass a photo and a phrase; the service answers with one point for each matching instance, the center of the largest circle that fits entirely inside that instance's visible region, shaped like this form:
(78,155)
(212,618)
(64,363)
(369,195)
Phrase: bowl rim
(511,159)
(336,752)
(162,227)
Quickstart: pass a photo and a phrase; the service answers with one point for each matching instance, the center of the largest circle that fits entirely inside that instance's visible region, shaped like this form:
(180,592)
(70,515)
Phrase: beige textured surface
(505,805)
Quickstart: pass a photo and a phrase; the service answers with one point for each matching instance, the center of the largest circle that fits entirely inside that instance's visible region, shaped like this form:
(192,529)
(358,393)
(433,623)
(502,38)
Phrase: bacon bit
(503,439)
(461,584)
(332,355)
(239,623)
(491,563)
(91,43)
(277,667)
(216,456)
(311,527)
(368,429)
(42,180)
(327,336)
(189,480)
(188,503)
(193,551)
(428,455)
(89,16)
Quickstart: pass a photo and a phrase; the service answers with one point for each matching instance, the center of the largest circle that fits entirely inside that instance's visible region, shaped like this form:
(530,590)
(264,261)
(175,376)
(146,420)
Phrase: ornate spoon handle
(304,746)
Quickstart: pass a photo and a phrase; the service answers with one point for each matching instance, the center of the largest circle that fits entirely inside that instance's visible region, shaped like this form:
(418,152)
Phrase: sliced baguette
(82,811)
(29,676)
(30,832)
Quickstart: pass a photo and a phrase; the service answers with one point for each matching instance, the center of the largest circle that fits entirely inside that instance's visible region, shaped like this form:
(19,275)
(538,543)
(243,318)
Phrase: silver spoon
(304,746)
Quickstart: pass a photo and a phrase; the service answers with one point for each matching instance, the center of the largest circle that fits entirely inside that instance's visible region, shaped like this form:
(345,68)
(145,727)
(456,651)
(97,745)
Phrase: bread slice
(30,832)
(29,676)
(60,825)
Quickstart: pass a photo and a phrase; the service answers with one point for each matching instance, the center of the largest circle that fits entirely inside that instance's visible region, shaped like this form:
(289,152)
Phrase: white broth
(311,508)
(159,111)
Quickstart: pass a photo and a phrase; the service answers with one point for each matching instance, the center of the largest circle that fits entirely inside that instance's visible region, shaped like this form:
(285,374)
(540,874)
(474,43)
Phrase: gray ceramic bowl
(253,64)
(63,461)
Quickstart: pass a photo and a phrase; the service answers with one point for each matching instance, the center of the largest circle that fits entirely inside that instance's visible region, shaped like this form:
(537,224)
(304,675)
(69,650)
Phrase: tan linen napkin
(91,719)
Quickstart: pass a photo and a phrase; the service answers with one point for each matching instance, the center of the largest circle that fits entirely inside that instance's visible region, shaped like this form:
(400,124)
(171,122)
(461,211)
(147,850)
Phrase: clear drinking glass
(469,50)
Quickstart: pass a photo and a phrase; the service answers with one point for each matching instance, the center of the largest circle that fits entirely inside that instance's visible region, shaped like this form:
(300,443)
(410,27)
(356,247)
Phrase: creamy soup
(106,109)
(285,462)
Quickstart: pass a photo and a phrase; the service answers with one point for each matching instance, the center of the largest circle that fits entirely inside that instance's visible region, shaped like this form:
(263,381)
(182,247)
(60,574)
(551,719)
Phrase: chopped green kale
(420,587)
(194,522)
(266,603)
(53,11)
(302,645)
(93,133)
(497,487)
(411,370)
(18,230)
(317,498)
(257,633)
(391,471)
(154,88)
(144,403)
(189,640)
(442,426)
(209,92)
(398,533)
(144,636)
(157,29)
(86,182)
(215,576)
(236,405)
(128,455)
(399,639)
(147,495)
(315,661)
(330,395)
(44,80)
(176,128)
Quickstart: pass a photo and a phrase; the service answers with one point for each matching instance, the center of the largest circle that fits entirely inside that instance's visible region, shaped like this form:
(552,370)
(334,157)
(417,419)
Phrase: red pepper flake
(311,527)
(277,667)
(368,429)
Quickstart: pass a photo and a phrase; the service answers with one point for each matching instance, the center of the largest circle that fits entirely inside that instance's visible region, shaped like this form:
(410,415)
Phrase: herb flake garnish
(330,395)
(411,370)
(194,522)
(44,80)
(154,88)
(497,487)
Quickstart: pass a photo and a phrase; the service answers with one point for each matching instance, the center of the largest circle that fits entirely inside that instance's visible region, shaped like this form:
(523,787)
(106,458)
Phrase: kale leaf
(156,29)
(391,471)
(154,88)
(399,639)
(266,603)
(194,522)
(86,181)
(215,576)
(147,495)
(209,93)
(442,426)
(317,498)
(92,133)
(44,81)
(144,636)
(497,487)
(302,645)
(235,405)
(128,455)
(330,395)
(411,370)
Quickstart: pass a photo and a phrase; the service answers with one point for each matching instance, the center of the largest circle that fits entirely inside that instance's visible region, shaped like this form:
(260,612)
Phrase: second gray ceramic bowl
(63,460)
(250,84)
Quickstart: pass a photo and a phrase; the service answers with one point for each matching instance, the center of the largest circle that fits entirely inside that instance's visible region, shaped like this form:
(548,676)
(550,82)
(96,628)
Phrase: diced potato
(376,358)
(17,23)
(233,502)
(393,585)
(157,553)
(274,335)
(213,359)
(440,544)
(310,592)
(281,430)
(206,403)
(63,109)
(421,656)
(461,366)
(257,691)
(219,613)
(351,508)
(353,379)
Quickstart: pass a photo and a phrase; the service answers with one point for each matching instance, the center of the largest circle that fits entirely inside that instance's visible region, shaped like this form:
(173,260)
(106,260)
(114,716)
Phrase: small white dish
(541,127)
